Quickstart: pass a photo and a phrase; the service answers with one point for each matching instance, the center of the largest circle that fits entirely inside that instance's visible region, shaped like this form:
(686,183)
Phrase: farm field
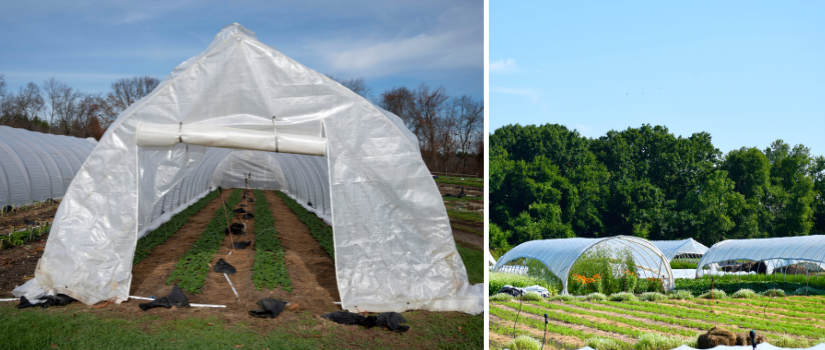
(297,267)
(787,322)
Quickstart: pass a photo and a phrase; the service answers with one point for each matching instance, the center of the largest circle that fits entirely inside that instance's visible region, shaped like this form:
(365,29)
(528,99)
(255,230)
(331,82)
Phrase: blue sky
(89,43)
(747,72)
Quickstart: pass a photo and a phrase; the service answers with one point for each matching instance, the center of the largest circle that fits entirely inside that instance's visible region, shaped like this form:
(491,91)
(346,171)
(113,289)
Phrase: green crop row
(649,316)
(734,304)
(269,269)
(321,231)
(575,320)
(538,324)
(193,267)
(744,322)
(625,320)
(162,233)
(22,237)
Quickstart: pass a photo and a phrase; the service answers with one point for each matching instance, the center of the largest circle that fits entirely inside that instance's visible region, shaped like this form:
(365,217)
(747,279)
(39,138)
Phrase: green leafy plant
(524,342)
(656,341)
(159,235)
(713,294)
(681,295)
(623,296)
(603,343)
(501,297)
(774,293)
(744,293)
(193,266)
(595,296)
(652,296)
(269,269)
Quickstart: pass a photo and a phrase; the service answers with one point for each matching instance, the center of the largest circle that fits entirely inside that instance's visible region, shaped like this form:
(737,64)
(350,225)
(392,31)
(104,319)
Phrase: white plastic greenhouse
(686,248)
(559,255)
(774,252)
(36,166)
(238,108)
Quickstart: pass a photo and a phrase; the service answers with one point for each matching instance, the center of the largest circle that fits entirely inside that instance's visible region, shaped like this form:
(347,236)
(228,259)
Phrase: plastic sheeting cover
(393,242)
(671,249)
(560,254)
(795,249)
(36,166)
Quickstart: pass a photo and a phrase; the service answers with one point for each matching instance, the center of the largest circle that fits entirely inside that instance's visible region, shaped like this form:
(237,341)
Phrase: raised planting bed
(162,233)
(269,269)
(20,238)
(192,268)
(319,230)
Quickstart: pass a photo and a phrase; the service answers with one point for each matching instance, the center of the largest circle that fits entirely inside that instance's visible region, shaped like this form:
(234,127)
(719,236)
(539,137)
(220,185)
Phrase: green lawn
(465,215)
(461,181)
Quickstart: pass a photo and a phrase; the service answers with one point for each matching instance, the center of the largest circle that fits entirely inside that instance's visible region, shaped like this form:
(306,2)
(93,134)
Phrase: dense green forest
(550,182)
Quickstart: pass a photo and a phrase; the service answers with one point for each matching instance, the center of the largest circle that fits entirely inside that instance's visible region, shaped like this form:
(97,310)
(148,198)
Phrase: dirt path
(149,276)
(471,238)
(312,272)
(586,329)
(216,290)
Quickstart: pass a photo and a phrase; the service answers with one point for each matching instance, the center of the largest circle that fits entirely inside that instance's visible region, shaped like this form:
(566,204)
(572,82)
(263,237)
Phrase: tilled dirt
(475,240)
(561,341)
(629,317)
(595,331)
(311,270)
(18,218)
(456,189)
(17,264)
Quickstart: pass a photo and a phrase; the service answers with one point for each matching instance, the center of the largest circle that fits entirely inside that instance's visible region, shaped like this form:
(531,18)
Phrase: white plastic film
(394,246)
(671,249)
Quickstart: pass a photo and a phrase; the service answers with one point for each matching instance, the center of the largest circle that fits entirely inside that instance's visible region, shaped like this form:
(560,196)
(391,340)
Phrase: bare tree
(125,92)
(428,107)
(469,125)
(52,88)
(398,101)
(358,85)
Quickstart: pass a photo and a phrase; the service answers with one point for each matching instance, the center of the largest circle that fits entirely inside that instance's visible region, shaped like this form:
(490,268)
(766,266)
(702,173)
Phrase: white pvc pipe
(193,305)
(12,299)
(163,135)
(233,287)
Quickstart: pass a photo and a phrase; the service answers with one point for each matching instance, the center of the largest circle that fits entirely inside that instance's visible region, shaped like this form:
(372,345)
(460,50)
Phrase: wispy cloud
(531,94)
(503,66)
(584,129)
(454,43)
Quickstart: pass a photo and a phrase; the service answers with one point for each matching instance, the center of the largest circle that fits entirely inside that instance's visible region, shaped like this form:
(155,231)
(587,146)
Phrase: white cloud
(584,129)
(503,66)
(529,93)
(456,42)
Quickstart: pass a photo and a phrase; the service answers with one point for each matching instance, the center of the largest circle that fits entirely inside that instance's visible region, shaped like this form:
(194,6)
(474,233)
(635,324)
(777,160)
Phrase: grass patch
(623,296)
(656,341)
(603,343)
(713,294)
(774,293)
(501,297)
(465,215)
(681,295)
(744,293)
(473,262)
(523,342)
(595,296)
(461,181)
(652,296)
(463,199)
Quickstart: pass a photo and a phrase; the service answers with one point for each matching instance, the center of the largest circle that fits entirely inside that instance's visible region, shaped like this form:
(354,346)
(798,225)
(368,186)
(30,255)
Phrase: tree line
(54,107)
(449,129)
(550,182)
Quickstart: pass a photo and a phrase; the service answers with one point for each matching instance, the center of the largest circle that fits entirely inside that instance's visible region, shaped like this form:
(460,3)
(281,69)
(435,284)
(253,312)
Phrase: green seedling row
(319,230)
(575,320)
(732,305)
(624,320)
(269,269)
(743,322)
(20,238)
(538,324)
(162,233)
(650,316)
(192,268)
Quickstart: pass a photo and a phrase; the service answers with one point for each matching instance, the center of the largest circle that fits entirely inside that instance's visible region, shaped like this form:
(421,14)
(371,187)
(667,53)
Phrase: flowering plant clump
(655,285)
(581,284)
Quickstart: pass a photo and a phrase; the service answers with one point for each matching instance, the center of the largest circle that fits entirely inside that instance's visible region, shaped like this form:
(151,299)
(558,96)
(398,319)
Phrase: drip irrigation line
(193,305)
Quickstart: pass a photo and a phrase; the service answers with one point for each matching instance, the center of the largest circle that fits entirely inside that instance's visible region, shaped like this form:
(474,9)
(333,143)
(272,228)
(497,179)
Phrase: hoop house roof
(223,114)
(672,249)
(558,255)
(36,166)
(801,248)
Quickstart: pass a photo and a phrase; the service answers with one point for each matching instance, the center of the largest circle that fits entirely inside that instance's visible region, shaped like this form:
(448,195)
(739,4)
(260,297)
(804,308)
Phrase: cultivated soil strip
(634,318)
(618,336)
(216,290)
(17,218)
(729,326)
(757,315)
(17,264)
(562,341)
(311,270)
(764,314)
(150,275)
